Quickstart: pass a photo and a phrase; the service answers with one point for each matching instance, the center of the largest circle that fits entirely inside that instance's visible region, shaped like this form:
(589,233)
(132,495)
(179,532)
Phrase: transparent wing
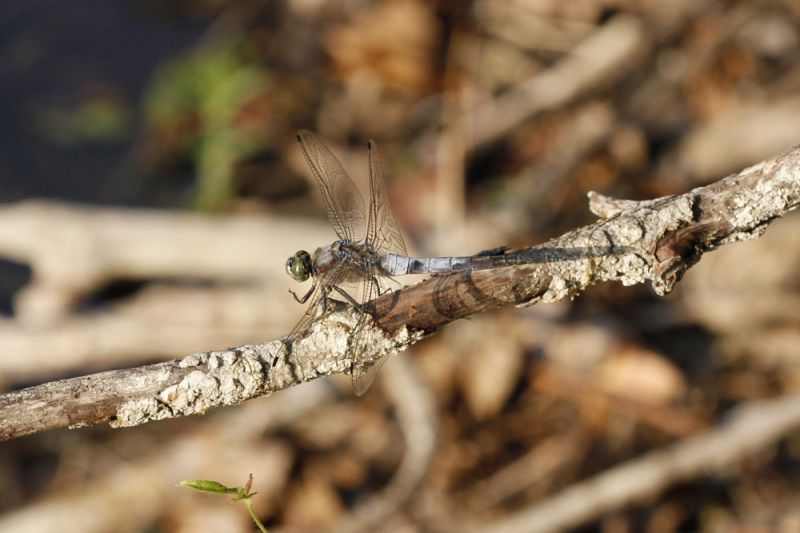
(382,230)
(384,235)
(362,375)
(344,203)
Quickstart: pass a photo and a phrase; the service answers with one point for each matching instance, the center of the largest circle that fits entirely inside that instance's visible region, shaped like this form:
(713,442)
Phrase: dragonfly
(369,252)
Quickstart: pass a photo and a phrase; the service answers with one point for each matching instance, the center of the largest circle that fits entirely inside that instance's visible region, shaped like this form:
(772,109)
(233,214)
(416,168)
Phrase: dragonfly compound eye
(299,266)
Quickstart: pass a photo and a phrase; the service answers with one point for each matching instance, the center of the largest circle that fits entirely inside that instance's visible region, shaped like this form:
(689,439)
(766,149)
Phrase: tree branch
(655,240)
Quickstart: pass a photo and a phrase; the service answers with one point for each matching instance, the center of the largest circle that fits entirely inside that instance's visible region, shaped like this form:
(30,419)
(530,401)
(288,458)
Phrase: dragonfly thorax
(299,266)
(355,260)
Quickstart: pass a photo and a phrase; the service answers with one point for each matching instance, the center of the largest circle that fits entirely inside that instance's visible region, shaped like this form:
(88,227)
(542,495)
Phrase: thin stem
(248,502)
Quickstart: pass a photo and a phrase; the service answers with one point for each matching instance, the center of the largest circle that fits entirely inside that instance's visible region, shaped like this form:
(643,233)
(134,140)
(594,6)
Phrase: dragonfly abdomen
(401,265)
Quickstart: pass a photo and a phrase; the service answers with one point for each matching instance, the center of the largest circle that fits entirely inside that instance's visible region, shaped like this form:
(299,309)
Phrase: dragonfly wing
(363,377)
(383,232)
(384,235)
(344,203)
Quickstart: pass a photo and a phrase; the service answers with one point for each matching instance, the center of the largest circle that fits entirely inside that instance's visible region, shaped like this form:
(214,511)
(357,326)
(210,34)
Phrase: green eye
(299,266)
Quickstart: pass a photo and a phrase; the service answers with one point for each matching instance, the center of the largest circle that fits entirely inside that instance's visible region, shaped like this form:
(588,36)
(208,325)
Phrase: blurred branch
(605,56)
(212,281)
(416,414)
(655,240)
(73,250)
(159,322)
(750,428)
(734,139)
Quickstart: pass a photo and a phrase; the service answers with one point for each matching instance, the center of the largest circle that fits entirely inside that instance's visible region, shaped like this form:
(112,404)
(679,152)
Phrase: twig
(606,55)
(416,415)
(160,322)
(108,244)
(732,139)
(751,428)
(656,240)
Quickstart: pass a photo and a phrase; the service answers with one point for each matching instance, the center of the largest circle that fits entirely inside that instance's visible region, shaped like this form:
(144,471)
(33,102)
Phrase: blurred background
(152,189)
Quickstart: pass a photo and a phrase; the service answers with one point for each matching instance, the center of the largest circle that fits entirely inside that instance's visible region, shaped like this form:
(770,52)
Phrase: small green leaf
(205,485)
(242,494)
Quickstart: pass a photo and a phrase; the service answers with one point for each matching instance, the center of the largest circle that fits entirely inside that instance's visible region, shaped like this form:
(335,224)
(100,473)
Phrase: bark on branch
(634,242)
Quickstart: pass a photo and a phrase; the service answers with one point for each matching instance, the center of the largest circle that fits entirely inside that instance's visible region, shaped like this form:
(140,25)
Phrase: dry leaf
(490,367)
(390,44)
(641,375)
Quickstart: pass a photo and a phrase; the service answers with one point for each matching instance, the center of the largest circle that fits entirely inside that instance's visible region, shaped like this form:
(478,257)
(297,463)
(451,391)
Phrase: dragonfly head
(299,266)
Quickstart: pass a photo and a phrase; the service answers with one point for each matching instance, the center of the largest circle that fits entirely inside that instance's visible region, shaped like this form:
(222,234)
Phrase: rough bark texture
(656,240)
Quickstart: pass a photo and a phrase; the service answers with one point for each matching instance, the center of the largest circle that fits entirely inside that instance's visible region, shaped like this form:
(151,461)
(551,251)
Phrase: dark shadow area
(13,277)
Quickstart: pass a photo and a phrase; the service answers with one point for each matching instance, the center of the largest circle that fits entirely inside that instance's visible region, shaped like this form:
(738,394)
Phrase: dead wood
(655,240)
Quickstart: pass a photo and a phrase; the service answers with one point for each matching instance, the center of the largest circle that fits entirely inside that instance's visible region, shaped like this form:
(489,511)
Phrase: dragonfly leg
(349,298)
(306,296)
(323,302)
